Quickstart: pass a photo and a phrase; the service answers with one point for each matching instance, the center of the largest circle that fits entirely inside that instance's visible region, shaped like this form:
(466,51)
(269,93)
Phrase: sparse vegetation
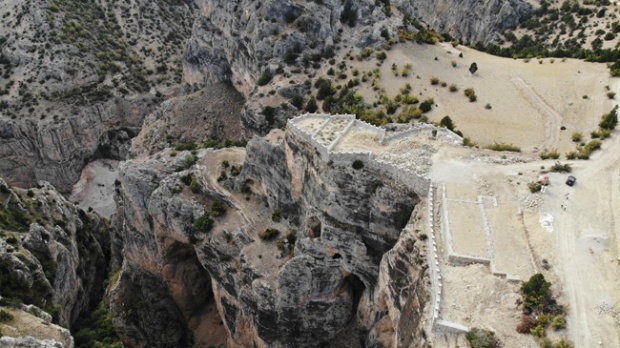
(276,216)
(480,338)
(546,154)
(269,234)
(561,168)
(503,147)
(203,224)
(534,187)
(471,94)
(5,316)
(218,208)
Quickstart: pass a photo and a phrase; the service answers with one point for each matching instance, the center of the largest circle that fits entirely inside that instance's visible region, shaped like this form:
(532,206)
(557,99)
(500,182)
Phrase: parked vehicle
(571,180)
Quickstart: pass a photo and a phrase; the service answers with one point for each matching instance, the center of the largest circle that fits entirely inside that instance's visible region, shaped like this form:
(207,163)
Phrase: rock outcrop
(56,152)
(304,252)
(51,254)
(470,21)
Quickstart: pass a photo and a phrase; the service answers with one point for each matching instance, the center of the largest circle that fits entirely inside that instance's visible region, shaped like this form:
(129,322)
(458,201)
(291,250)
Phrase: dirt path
(586,238)
(553,118)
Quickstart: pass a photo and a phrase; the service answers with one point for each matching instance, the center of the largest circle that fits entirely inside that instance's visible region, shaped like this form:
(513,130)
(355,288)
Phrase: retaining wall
(442,133)
(418,183)
(350,156)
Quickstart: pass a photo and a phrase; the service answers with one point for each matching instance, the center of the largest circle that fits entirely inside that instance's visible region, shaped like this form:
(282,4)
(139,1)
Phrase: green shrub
(609,121)
(426,106)
(357,164)
(276,216)
(536,293)
(203,224)
(576,137)
(453,88)
(265,78)
(534,186)
(187,179)
(5,316)
(311,106)
(222,176)
(611,95)
(561,168)
(558,322)
(234,171)
(189,160)
(468,142)
(195,186)
(298,102)
(349,14)
(471,94)
(218,208)
(480,338)
(269,234)
(504,147)
(553,154)
(434,81)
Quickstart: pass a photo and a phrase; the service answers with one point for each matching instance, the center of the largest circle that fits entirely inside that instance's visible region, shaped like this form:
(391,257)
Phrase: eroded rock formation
(341,263)
(470,21)
(52,255)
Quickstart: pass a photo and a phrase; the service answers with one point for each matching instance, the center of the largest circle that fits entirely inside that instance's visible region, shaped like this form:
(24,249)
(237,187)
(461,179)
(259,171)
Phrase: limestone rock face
(339,264)
(52,254)
(470,21)
(31,150)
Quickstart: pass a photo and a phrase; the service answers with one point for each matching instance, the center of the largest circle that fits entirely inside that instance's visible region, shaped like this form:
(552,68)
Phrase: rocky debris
(51,254)
(469,21)
(337,255)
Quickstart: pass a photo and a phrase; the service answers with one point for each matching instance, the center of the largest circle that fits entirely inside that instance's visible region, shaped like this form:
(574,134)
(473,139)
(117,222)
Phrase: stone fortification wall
(417,182)
(308,138)
(350,156)
(425,129)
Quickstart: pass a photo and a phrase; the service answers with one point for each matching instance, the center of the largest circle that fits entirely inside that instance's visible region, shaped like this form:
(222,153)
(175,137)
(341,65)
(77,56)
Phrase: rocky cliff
(470,21)
(52,255)
(294,250)
(78,78)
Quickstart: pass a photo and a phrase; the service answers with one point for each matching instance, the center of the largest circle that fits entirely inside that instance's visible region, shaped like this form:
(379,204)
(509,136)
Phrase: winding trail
(553,119)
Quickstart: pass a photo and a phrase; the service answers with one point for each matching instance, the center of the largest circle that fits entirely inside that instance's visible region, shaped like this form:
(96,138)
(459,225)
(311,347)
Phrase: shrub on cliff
(269,234)
(218,208)
(5,316)
(203,224)
(265,78)
(357,164)
(195,186)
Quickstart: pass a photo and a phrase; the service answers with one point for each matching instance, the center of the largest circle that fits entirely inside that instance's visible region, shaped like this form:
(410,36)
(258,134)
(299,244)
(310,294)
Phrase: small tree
(447,122)
(311,106)
(473,68)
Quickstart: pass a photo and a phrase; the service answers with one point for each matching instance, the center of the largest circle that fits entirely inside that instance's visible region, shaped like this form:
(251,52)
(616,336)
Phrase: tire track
(553,119)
